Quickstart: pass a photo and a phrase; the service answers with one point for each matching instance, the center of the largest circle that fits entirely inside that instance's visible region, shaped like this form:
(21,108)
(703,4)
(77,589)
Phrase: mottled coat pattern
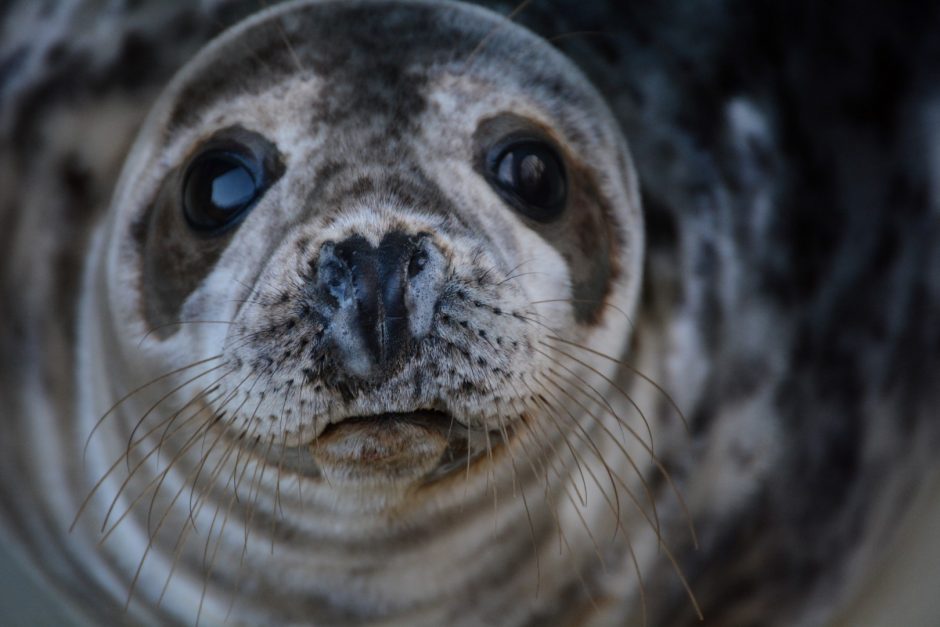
(787,159)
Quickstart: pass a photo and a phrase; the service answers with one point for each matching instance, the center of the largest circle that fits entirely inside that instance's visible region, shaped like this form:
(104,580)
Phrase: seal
(374,331)
(338,288)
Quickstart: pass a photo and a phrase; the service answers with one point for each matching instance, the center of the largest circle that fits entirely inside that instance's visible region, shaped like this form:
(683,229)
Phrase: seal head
(337,275)
(377,215)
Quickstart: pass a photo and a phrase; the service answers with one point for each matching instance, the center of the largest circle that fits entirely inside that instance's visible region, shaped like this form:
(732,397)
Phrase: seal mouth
(428,418)
(417,447)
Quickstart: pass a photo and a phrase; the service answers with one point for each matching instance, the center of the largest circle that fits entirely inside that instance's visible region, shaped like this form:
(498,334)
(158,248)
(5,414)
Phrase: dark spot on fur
(10,65)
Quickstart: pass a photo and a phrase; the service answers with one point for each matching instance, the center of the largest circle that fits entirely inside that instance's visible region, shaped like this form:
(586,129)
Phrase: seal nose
(384,296)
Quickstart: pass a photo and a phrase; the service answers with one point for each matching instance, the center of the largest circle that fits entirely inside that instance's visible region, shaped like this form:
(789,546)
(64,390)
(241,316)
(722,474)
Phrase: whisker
(290,48)
(562,537)
(176,389)
(491,478)
(255,486)
(209,562)
(114,466)
(587,301)
(599,397)
(300,491)
(662,543)
(583,497)
(217,413)
(531,461)
(620,421)
(486,38)
(635,371)
(513,269)
(221,432)
(246,524)
(248,301)
(585,437)
(654,523)
(180,542)
(277,492)
(513,277)
(252,506)
(152,534)
(177,324)
(617,514)
(156,482)
(525,503)
(184,484)
(167,421)
(135,391)
(616,386)
(648,448)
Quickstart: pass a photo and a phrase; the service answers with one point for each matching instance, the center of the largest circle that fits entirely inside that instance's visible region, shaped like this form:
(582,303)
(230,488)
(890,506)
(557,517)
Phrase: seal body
(369,314)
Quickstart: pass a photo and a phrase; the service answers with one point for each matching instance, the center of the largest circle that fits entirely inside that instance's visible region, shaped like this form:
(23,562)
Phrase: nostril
(333,276)
(418,261)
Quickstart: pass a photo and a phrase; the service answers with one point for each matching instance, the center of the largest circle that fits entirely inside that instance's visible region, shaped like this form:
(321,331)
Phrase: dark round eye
(530,176)
(219,188)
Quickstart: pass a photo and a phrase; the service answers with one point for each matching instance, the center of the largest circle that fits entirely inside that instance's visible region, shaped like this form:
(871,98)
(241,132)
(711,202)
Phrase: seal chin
(396,449)
(386,448)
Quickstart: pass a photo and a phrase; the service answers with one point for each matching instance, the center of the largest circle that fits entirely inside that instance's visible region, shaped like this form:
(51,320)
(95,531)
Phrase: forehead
(394,101)
(371,59)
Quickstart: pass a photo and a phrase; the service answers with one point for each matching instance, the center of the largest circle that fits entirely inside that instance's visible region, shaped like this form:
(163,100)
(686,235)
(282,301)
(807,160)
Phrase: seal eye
(529,175)
(219,188)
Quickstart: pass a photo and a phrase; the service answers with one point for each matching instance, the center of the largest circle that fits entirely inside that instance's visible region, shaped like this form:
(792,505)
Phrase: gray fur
(789,305)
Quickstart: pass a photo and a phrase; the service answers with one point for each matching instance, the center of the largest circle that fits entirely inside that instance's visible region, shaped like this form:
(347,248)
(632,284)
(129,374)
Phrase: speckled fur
(788,162)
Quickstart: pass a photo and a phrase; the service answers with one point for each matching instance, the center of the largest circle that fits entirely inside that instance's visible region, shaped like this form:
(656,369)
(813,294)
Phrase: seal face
(361,213)
(353,269)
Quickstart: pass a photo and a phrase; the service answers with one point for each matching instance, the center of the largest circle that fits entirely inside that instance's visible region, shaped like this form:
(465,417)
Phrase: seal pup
(296,214)
(321,282)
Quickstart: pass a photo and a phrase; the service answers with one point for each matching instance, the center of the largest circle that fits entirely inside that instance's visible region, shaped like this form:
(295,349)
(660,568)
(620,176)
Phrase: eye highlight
(219,188)
(529,175)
